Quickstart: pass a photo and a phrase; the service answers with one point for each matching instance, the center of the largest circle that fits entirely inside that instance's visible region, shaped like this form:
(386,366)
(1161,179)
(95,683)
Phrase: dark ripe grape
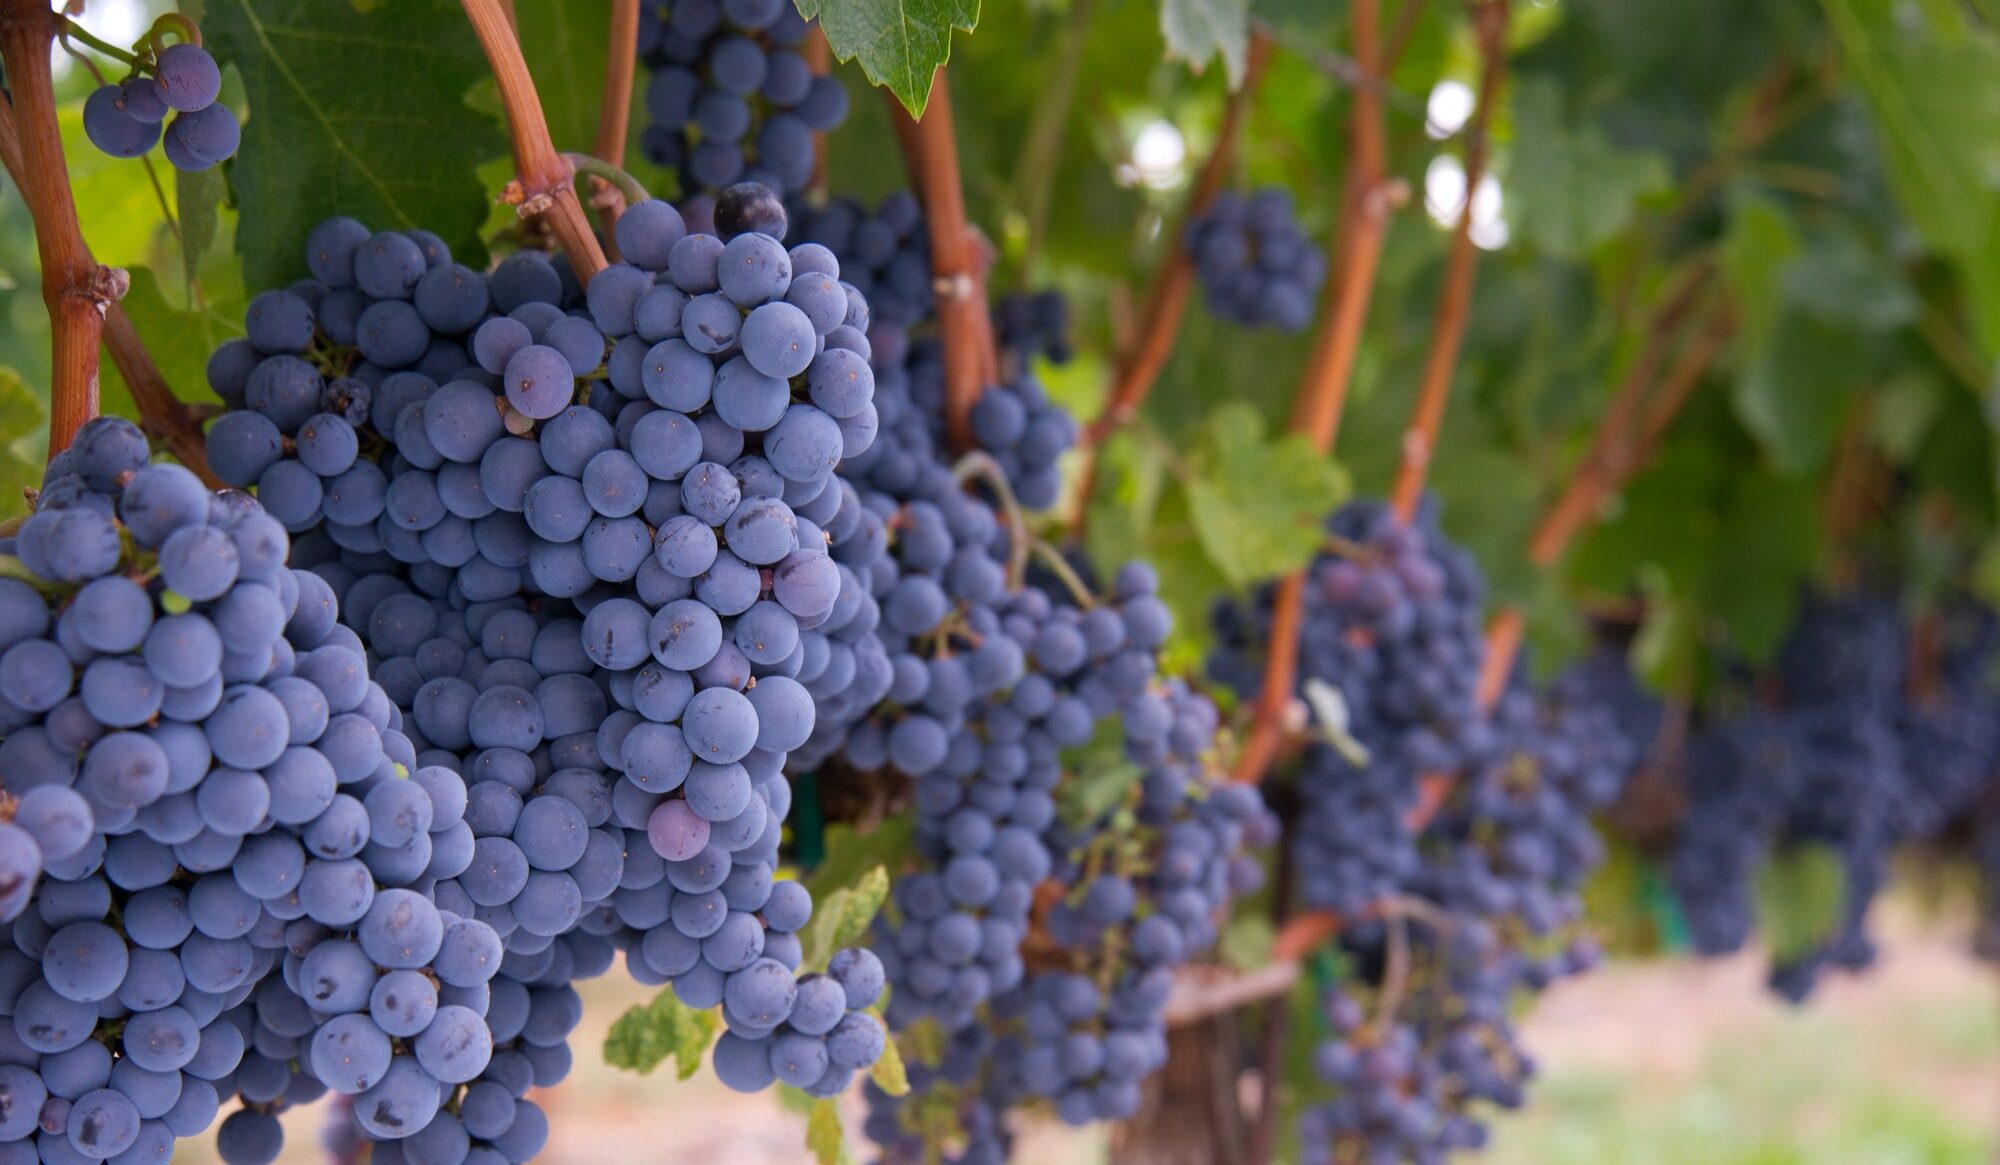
(188,79)
(539,381)
(749,207)
(111,127)
(198,140)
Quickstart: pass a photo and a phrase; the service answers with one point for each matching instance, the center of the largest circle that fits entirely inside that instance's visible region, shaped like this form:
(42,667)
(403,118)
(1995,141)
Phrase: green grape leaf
(1839,278)
(200,194)
(121,212)
(1757,249)
(1096,775)
(1197,30)
(1794,392)
(842,918)
(889,1073)
(1799,892)
(900,44)
(1568,187)
(565,44)
(1765,550)
(24,440)
(646,1036)
(826,1136)
(358,111)
(180,339)
(1256,501)
(852,853)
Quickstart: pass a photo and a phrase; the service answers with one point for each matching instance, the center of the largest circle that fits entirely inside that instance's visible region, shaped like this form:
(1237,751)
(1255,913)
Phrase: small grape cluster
(1257,268)
(731,96)
(127,118)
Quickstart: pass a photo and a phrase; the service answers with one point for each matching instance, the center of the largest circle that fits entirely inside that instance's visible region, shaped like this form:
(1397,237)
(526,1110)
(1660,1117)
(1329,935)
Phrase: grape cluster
(988,695)
(1392,634)
(1852,752)
(213,792)
(579,535)
(1492,911)
(127,118)
(1257,268)
(885,252)
(1031,325)
(730,95)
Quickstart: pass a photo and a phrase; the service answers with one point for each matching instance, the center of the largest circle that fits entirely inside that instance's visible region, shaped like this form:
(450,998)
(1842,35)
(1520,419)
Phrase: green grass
(1899,1081)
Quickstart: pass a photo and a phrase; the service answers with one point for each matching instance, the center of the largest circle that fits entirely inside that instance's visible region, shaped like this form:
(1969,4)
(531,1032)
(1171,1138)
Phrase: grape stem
(545,183)
(71,30)
(979,465)
(1355,252)
(610,173)
(172,23)
(614,116)
(75,287)
(930,152)
(161,413)
(1455,297)
(1059,566)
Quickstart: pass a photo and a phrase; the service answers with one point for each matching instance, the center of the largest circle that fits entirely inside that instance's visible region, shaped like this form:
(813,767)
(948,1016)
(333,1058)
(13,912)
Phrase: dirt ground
(1643,1063)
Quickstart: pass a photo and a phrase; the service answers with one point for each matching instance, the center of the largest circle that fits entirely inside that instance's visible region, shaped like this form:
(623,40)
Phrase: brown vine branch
(75,287)
(819,59)
(1140,366)
(1627,439)
(164,416)
(614,115)
(1455,298)
(1604,461)
(1356,251)
(930,151)
(545,180)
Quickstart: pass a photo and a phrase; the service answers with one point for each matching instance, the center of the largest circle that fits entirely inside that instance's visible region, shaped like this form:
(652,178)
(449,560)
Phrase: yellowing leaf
(889,1074)
(826,1138)
(645,1037)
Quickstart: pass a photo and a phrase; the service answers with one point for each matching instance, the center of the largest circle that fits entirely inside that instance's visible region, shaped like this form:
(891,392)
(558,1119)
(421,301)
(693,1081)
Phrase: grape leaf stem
(547,183)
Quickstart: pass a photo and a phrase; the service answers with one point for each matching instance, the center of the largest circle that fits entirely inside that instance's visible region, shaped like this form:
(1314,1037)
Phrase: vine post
(75,287)
(547,181)
(958,269)
(1370,197)
(1455,298)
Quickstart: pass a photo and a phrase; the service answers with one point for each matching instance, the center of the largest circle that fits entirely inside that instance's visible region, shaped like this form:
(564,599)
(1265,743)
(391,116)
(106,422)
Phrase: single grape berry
(188,78)
(111,127)
(747,207)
